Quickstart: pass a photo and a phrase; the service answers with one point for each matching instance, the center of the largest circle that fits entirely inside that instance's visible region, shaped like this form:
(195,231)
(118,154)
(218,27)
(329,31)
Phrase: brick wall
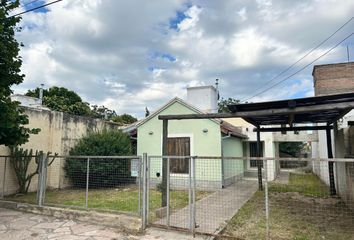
(333,78)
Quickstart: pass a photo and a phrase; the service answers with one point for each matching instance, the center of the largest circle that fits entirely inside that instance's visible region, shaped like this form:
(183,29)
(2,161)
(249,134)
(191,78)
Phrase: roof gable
(170,103)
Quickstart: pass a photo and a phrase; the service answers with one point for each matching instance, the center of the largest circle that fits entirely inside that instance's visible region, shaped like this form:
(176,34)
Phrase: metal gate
(168,195)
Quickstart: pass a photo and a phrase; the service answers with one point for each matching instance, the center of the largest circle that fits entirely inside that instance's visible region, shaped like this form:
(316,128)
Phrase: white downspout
(222,159)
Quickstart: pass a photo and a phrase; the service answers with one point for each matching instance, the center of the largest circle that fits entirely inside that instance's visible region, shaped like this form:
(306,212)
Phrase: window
(253,153)
(179,146)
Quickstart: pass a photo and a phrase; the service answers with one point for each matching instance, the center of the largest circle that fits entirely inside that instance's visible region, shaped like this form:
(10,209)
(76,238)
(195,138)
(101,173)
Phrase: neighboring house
(269,146)
(335,79)
(203,137)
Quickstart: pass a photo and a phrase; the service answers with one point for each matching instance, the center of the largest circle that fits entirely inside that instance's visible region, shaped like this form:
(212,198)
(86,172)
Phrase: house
(270,142)
(211,137)
(332,79)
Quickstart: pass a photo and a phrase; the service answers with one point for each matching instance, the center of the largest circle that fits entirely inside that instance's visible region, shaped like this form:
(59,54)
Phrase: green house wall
(233,147)
(208,171)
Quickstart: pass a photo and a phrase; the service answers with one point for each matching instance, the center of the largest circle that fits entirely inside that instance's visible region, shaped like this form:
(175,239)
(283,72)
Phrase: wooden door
(179,146)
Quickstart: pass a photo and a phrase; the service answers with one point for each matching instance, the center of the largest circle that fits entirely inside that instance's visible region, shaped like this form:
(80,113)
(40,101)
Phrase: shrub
(103,172)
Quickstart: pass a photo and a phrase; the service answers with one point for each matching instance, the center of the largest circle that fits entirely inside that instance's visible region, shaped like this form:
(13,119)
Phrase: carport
(303,114)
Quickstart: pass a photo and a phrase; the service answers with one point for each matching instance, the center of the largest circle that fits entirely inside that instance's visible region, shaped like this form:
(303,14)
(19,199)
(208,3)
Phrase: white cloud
(105,50)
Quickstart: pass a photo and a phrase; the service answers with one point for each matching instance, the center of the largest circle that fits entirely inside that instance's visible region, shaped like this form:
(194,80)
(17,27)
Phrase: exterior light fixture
(205,130)
(151,132)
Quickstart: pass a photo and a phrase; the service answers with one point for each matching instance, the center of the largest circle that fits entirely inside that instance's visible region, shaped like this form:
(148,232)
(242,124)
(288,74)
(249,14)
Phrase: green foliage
(12,119)
(103,172)
(124,119)
(63,100)
(222,104)
(20,160)
(291,148)
(102,112)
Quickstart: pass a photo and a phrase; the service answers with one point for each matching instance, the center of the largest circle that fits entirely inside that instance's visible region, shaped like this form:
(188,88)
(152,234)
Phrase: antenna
(41,93)
(217,87)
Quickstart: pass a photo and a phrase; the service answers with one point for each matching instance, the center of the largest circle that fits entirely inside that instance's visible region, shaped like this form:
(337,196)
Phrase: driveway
(214,211)
(16,225)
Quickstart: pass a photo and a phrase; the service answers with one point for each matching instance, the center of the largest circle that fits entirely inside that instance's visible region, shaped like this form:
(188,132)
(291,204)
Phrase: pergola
(302,114)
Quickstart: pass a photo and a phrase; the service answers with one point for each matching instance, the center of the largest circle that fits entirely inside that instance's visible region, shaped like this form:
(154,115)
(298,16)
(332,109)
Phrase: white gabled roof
(170,103)
(226,128)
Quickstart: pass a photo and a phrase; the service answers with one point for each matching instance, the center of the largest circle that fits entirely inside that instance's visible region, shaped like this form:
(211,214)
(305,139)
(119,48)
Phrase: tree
(222,104)
(291,148)
(63,100)
(103,172)
(124,119)
(20,160)
(103,113)
(12,118)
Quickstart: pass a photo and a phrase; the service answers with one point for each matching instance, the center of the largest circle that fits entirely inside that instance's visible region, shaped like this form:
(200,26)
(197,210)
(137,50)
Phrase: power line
(301,69)
(300,59)
(33,9)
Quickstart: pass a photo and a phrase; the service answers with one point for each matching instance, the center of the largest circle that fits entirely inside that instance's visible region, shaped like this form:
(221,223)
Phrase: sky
(128,55)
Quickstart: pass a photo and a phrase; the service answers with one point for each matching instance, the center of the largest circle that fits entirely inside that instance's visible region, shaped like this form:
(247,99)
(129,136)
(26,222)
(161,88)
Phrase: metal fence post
(139,186)
(168,192)
(193,196)
(266,197)
(144,211)
(87,181)
(190,195)
(4,179)
(42,179)
(148,160)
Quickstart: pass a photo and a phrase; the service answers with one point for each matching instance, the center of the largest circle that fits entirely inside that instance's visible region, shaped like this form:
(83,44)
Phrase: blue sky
(128,55)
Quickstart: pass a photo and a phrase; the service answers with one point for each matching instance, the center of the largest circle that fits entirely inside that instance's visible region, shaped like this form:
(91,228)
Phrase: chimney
(41,94)
(205,98)
(333,78)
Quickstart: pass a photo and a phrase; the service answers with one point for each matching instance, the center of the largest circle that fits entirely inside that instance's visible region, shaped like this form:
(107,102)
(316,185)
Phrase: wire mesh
(18,187)
(301,205)
(216,196)
(294,203)
(101,183)
(111,183)
(227,190)
(170,196)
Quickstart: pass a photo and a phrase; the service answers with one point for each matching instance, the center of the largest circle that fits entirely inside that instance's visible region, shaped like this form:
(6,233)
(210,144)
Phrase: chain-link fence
(216,196)
(221,197)
(110,183)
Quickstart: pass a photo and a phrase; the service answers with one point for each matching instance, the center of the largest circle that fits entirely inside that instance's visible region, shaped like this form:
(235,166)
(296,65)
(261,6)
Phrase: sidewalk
(16,225)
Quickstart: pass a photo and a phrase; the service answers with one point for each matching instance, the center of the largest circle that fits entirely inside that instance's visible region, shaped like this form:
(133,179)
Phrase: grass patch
(120,199)
(307,184)
(299,210)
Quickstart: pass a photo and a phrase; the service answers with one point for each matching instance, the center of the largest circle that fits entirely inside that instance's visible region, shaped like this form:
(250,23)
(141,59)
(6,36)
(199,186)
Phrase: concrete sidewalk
(214,211)
(16,225)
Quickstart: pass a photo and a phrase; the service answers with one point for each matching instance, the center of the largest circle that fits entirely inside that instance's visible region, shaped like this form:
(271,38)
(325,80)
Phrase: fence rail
(216,196)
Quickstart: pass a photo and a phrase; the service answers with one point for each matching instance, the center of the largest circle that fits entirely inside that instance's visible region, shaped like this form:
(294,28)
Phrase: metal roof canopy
(324,109)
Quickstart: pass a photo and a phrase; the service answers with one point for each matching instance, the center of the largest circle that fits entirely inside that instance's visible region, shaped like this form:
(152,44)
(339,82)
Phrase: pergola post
(164,163)
(259,163)
(332,187)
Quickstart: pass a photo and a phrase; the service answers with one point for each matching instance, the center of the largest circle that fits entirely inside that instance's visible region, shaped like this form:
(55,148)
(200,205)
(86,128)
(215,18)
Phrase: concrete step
(252,173)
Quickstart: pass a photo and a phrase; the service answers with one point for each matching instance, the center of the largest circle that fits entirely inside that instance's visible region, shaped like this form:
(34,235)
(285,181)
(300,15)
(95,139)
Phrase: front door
(179,146)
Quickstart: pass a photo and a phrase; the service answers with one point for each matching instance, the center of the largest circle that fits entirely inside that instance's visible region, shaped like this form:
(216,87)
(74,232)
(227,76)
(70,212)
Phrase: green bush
(103,172)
